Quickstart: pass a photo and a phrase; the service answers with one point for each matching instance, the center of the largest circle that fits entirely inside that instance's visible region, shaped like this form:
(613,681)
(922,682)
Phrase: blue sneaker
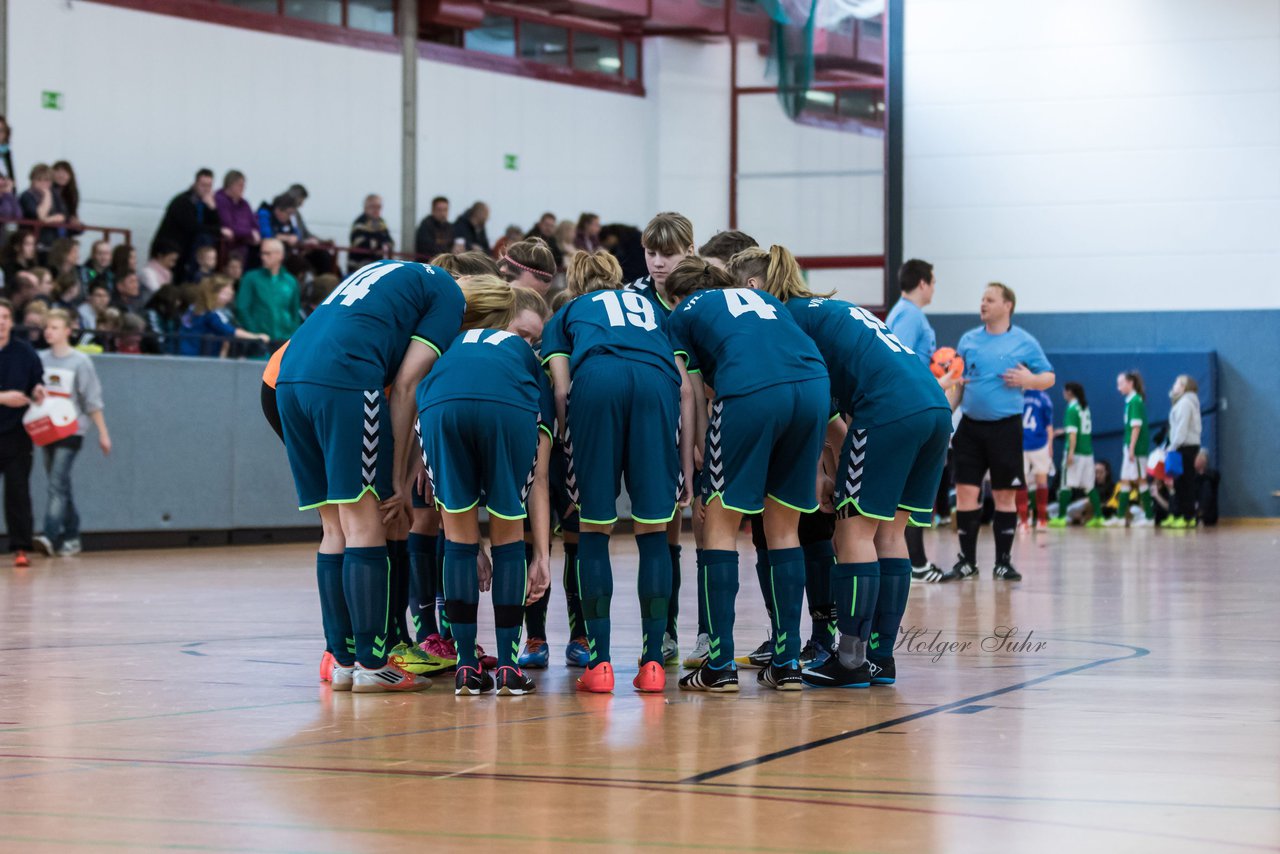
(535,655)
(814,654)
(577,654)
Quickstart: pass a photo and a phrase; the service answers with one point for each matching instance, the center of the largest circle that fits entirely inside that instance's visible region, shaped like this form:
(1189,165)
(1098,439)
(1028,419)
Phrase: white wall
(1100,155)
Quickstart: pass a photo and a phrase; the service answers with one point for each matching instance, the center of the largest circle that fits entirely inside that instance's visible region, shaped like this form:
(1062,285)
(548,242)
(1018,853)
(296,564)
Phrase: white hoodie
(1184,421)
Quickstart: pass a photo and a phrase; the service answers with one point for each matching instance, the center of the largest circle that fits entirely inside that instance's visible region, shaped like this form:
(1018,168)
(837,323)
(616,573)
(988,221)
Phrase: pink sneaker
(439,647)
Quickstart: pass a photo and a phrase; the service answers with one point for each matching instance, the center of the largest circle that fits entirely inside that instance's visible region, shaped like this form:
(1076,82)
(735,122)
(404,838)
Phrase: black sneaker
(814,652)
(470,681)
(833,674)
(883,671)
(513,682)
(761,657)
(962,569)
(782,677)
(931,573)
(706,678)
(1006,572)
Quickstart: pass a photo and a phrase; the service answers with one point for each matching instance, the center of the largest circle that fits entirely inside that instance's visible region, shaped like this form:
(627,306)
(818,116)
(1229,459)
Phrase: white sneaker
(1143,522)
(386,678)
(670,649)
(41,543)
(70,548)
(1114,522)
(342,677)
(700,654)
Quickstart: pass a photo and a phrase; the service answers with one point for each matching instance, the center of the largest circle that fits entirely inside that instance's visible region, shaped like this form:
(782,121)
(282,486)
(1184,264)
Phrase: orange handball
(946,361)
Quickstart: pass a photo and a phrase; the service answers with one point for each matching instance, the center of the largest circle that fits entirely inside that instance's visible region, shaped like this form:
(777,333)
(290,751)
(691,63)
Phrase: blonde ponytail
(593,271)
(777,270)
(491,302)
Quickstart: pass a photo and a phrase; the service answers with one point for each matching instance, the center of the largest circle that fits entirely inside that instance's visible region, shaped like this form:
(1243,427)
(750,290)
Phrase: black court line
(1136,652)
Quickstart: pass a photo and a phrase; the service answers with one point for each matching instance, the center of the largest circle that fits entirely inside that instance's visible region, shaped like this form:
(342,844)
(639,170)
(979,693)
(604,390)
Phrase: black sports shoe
(705,678)
(513,682)
(814,652)
(833,674)
(931,573)
(1006,572)
(962,569)
(883,671)
(782,677)
(761,657)
(470,681)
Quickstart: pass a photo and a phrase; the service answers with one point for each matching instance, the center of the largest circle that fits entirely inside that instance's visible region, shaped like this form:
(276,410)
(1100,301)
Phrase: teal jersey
(624,324)
(647,288)
(490,364)
(875,378)
(357,338)
(742,341)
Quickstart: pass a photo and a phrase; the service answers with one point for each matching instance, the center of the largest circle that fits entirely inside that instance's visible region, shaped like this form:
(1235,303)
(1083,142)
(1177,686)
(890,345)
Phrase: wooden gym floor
(168,700)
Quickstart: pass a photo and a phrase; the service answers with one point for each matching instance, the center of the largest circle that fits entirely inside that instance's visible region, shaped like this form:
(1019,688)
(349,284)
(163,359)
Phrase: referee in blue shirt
(907,321)
(1000,361)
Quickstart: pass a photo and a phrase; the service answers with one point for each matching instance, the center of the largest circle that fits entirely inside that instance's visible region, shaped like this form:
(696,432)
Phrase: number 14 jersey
(623,324)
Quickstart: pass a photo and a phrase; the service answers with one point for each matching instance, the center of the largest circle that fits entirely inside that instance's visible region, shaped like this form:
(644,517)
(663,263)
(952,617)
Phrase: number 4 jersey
(357,337)
(742,340)
(613,323)
(875,378)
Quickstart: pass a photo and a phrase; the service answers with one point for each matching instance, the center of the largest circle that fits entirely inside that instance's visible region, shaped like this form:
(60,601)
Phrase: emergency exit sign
(511,161)
(51,100)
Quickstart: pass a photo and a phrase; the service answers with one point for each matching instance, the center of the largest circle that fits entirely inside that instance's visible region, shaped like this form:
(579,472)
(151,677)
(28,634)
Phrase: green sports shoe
(413,660)
(1096,522)
(1058,522)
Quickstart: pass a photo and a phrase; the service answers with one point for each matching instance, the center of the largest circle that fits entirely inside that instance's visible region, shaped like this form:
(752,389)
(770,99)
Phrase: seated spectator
(587,237)
(163,314)
(566,234)
(34,318)
(64,257)
(545,228)
(124,259)
(98,301)
(99,266)
(129,298)
(276,220)
(44,287)
(41,203)
(317,292)
(66,292)
(299,194)
(529,264)
(190,221)
(625,244)
(129,339)
(513,234)
(19,254)
(435,232)
(1207,481)
(233,269)
(206,328)
(370,236)
(469,228)
(206,264)
(9,207)
(158,271)
(108,328)
(64,184)
(269,302)
(24,285)
(239,222)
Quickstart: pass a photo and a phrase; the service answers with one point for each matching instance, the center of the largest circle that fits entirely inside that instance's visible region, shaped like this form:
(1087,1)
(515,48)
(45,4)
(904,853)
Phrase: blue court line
(1135,652)
(970,710)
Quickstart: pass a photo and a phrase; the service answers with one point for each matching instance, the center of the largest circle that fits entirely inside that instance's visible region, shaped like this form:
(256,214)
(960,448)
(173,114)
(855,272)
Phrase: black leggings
(1184,486)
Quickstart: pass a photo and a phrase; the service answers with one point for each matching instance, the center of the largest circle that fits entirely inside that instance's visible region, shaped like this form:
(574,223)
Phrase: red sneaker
(327,661)
(652,678)
(21,560)
(487,662)
(597,680)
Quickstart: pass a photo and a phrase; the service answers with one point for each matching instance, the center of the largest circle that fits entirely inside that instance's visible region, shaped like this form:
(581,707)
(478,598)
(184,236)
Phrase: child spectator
(233,269)
(158,271)
(205,331)
(163,314)
(129,339)
(129,298)
(41,203)
(64,257)
(19,255)
(68,192)
(66,292)
(107,331)
(1207,480)
(44,288)
(99,266)
(206,264)
(124,259)
(70,374)
(9,207)
(91,309)
(34,317)
(317,292)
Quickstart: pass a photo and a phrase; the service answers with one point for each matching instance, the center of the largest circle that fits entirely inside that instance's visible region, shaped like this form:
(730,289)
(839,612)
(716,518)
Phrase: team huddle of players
(719,381)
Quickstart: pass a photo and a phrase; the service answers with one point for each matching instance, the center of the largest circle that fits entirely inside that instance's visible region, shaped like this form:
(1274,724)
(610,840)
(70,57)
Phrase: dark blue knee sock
(366,581)
(462,597)
(445,630)
(720,578)
(818,559)
(595,584)
(766,580)
(891,604)
(338,637)
(572,596)
(510,583)
(655,587)
(702,594)
(397,627)
(673,598)
(855,587)
(787,571)
(535,616)
(422,586)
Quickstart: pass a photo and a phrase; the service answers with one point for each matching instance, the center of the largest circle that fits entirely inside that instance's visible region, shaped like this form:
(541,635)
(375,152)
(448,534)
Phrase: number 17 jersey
(622,324)
(357,338)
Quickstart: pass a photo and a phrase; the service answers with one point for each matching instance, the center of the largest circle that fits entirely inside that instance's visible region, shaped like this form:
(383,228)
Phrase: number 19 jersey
(356,339)
(623,324)
(742,340)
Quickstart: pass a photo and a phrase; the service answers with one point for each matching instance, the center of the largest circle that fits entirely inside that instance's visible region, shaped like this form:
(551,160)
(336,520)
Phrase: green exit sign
(51,100)
(511,161)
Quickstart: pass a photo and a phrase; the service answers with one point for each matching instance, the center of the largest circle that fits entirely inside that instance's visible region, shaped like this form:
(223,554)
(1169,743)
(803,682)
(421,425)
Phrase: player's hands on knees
(826,489)
(539,577)
(484,570)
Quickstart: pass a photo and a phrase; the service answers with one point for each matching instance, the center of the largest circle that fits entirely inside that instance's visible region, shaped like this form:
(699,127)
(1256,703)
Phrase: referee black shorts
(994,446)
